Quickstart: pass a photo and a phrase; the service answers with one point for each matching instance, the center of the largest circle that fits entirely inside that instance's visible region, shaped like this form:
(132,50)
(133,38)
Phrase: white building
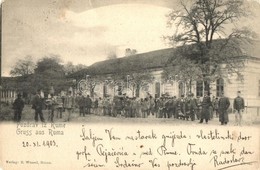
(155,61)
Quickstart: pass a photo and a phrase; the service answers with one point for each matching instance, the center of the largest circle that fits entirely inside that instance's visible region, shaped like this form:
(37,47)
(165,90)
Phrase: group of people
(186,108)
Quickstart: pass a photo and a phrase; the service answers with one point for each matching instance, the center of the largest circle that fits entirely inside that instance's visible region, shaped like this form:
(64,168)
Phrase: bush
(6,112)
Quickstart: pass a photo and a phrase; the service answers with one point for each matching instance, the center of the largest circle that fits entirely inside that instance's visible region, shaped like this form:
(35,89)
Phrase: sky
(83,32)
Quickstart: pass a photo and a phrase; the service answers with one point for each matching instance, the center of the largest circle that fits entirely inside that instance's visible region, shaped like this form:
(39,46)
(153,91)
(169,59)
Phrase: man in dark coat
(198,106)
(88,104)
(181,107)
(171,107)
(222,108)
(18,106)
(205,104)
(239,106)
(81,104)
(51,102)
(190,107)
(160,107)
(127,107)
(37,105)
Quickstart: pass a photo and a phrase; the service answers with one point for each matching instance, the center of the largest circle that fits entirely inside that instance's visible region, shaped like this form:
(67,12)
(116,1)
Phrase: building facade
(230,84)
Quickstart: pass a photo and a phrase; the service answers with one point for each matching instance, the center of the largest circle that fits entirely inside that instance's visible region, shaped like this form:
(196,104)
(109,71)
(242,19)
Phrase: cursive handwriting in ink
(93,164)
(89,136)
(141,136)
(162,150)
(110,134)
(102,151)
(147,153)
(217,161)
(180,163)
(84,153)
(154,163)
(127,164)
(191,150)
(240,164)
(172,136)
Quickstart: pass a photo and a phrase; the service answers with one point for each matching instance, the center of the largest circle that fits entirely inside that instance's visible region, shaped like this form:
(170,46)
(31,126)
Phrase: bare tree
(23,67)
(186,71)
(199,23)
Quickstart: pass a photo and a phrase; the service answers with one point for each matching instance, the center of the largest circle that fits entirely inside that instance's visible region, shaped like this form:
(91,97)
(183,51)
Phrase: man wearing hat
(18,106)
(81,104)
(88,102)
(222,108)
(37,105)
(190,107)
(239,106)
(205,104)
(181,107)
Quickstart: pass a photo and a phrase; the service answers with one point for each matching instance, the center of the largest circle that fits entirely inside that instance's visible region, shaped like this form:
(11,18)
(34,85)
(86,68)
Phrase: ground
(28,115)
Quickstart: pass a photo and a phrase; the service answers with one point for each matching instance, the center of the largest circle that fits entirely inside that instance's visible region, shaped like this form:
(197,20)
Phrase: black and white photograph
(191,64)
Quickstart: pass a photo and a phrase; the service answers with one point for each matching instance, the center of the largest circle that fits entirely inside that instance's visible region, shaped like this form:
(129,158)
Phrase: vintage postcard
(130,84)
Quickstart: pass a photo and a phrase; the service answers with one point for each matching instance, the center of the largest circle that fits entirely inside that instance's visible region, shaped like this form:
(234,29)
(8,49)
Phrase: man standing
(181,107)
(223,106)
(69,103)
(37,105)
(51,102)
(205,104)
(88,104)
(215,106)
(190,107)
(18,106)
(59,106)
(127,107)
(239,106)
(81,104)
(198,106)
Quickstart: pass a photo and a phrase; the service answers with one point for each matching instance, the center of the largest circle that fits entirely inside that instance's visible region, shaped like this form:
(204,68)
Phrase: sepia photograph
(181,64)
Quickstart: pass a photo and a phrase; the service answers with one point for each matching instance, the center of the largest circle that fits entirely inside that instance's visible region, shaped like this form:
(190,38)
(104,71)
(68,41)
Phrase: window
(199,88)
(181,89)
(119,89)
(220,86)
(157,89)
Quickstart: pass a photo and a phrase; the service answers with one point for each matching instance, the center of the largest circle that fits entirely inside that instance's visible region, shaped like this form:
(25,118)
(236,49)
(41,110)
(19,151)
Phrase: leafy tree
(199,23)
(23,67)
(70,68)
(49,72)
(79,67)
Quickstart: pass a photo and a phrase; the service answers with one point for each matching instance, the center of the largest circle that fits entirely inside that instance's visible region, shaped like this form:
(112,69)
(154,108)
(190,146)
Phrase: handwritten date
(47,143)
